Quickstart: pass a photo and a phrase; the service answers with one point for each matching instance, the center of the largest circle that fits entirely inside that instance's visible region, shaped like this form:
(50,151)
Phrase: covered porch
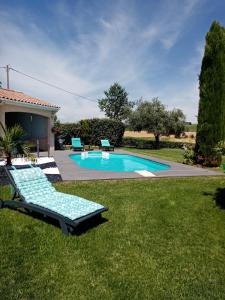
(35,127)
(35,116)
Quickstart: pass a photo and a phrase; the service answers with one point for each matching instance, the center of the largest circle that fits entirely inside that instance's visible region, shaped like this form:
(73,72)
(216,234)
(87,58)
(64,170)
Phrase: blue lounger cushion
(105,143)
(76,143)
(35,188)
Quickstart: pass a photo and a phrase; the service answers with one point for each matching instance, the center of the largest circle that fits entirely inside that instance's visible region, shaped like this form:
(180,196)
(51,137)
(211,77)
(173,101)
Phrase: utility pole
(7,73)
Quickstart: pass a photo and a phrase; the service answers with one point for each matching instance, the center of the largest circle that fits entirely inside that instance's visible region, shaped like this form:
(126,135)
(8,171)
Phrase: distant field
(191,128)
(144,134)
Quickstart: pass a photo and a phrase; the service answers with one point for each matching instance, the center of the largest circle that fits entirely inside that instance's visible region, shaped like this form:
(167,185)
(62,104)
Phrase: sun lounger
(76,144)
(105,145)
(35,193)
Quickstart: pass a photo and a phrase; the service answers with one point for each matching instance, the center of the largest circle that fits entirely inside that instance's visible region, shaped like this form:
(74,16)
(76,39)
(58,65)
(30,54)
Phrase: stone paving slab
(71,171)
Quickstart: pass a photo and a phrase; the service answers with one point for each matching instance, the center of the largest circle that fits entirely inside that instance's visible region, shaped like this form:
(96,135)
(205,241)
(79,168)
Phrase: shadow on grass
(89,224)
(78,230)
(218,197)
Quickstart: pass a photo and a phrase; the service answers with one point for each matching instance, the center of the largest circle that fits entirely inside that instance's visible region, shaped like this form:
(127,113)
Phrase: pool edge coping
(72,172)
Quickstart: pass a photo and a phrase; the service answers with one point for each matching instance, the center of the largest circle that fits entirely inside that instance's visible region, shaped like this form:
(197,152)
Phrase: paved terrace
(71,171)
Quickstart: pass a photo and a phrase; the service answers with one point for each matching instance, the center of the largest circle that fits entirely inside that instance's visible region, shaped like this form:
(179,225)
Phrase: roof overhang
(30,105)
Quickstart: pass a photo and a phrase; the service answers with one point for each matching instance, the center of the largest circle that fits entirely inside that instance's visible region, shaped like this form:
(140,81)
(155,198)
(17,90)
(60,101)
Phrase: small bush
(189,155)
(212,156)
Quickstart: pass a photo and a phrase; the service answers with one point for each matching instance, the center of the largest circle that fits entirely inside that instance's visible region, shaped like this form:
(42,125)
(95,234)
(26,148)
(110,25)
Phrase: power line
(52,85)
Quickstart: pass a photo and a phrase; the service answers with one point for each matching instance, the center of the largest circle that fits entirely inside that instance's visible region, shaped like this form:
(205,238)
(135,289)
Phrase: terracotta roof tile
(21,97)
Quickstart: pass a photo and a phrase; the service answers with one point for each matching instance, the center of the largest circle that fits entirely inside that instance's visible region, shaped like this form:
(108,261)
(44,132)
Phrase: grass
(164,153)
(169,154)
(164,239)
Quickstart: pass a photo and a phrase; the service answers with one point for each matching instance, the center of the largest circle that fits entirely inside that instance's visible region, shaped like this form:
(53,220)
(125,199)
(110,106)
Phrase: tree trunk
(8,160)
(157,141)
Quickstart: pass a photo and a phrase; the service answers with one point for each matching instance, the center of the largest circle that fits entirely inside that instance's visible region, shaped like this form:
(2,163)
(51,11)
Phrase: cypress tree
(211,114)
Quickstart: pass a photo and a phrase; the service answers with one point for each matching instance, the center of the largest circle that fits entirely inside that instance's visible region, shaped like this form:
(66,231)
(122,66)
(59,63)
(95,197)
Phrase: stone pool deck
(70,171)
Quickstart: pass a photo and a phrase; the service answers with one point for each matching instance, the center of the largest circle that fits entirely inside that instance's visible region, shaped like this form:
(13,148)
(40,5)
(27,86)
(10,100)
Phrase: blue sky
(152,48)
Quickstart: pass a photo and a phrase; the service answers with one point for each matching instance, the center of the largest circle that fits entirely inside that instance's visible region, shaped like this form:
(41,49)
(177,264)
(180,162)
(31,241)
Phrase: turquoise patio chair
(105,145)
(35,193)
(76,144)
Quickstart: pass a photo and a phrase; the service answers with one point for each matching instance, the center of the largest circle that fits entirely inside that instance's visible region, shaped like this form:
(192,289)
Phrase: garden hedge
(91,131)
(150,144)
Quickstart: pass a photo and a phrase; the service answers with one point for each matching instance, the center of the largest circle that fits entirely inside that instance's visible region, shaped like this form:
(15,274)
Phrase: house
(35,116)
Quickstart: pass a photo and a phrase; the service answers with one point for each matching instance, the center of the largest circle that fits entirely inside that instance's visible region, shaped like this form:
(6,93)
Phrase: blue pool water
(116,162)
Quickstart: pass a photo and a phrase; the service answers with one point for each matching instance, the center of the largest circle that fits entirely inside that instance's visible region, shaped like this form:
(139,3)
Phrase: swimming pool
(104,161)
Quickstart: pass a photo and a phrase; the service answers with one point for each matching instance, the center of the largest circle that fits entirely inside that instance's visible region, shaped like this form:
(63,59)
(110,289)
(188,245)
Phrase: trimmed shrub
(150,144)
(110,129)
(91,131)
(66,131)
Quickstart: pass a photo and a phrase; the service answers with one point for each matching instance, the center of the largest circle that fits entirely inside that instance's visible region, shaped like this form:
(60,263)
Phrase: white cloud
(168,24)
(118,48)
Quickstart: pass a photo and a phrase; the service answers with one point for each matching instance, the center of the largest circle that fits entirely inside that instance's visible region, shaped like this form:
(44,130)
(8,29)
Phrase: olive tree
(153,117)
(150,116)
(175,123)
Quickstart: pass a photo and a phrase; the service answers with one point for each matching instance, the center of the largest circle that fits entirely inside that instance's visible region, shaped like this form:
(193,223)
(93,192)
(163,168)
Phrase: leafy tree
(11,142)
(211,115)
(150,116)
(153,117)
(56,121)
(116,105)
(175,123)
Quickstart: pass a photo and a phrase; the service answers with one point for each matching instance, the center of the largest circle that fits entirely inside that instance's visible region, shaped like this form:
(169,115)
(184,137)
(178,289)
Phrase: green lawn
(164,153)
(175,155)
(163,239)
